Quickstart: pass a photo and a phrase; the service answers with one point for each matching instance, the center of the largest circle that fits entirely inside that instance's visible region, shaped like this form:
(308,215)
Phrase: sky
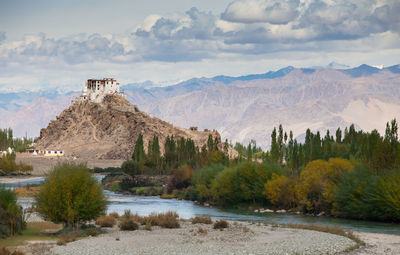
(58,44)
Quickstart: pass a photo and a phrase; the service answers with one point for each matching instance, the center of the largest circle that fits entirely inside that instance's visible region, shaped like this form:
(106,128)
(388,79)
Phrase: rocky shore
(239,238)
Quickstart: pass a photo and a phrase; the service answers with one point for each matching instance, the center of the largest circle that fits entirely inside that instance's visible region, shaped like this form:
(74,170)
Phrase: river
(187,209)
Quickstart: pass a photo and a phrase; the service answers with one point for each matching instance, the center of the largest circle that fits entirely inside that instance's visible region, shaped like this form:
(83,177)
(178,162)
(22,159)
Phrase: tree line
(369,148)
(177,152)
(351,174)
(7,140)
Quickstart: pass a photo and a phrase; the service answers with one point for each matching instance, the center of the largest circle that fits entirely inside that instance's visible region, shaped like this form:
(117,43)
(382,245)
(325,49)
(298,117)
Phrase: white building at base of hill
(96,90)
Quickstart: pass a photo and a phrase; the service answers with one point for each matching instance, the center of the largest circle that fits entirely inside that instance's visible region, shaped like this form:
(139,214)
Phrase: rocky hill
(109,130)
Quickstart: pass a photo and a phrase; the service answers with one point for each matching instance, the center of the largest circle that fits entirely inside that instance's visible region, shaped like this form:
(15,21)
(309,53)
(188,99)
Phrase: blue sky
(62,43)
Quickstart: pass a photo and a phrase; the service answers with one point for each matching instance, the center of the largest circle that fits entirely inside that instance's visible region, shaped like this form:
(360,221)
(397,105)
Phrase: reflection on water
(187,209)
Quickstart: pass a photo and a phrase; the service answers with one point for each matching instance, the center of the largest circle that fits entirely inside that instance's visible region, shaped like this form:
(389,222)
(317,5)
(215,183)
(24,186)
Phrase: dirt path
(93,130)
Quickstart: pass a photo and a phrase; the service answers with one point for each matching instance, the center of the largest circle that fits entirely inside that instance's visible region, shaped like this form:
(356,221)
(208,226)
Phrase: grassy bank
(35,231)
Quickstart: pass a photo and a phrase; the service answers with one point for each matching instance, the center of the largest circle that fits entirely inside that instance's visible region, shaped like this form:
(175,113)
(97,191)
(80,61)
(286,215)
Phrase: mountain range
(245,107)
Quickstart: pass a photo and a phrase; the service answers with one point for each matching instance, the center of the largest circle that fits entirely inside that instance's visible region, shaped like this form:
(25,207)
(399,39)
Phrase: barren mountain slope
(316,99)
(247,107)
(109,130)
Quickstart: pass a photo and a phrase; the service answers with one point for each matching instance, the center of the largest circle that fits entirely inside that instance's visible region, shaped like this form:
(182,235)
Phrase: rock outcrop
(109,130)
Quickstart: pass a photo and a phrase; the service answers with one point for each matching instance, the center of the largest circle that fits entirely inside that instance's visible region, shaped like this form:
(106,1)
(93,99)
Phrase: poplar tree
(138,152)
(274,147)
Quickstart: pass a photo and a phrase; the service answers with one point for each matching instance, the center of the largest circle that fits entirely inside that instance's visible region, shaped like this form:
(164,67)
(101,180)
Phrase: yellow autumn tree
(281,192)
(318,183)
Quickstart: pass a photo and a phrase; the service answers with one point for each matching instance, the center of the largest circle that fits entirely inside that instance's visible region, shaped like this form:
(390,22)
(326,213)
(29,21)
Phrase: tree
(138,152)
(338,135)
(11,216)
(274,147)
(318,183)
(281,192)
(70,195)
(382,156)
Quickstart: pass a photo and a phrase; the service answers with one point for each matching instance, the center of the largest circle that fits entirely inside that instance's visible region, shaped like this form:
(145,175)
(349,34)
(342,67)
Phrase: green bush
(89,230)
(352,194)
(70,195)
(202,179)
(363,195)
(384,198)
(147,191)
(243,183)
(8,164)
(131,167)
(221,224)
(11,215)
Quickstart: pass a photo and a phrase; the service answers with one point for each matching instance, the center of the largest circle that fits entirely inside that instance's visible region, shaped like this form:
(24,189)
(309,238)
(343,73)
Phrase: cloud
(193,25)
(34,49)
(388,15)
(254,30)
(253,11)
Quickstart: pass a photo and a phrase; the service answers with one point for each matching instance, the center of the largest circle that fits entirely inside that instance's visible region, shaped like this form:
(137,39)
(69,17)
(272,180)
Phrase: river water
(188,209)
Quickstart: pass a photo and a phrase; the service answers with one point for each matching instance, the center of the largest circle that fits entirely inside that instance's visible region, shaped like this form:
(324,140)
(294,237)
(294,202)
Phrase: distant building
(46,153)
(96,90)
(52,153)
(8,151)
(193,128)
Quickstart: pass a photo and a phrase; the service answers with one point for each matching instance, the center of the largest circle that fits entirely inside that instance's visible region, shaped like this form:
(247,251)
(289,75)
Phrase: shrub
(180,178)
(70,195)
(139,219)
(164,220)
(148,227)
(115,215)
(243,183)
(128,224)
(11,215)
(202,179)
(202,231)
(65,238)
(90,230)
(221,224)
(127,214)
(147,191)
(5,251)
(202,219)
(105,221)
(8,164)
(363,195)
(131,167)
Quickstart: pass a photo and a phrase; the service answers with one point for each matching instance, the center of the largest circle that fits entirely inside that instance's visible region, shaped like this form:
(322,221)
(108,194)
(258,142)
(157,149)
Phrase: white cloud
(252,11)
(172,47)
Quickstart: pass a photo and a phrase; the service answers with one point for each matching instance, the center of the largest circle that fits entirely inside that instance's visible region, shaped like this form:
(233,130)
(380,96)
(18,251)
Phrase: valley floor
(239,238)
(43,165)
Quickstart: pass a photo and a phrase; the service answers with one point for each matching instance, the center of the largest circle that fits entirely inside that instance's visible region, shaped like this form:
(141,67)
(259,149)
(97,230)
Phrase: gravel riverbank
(239,238)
